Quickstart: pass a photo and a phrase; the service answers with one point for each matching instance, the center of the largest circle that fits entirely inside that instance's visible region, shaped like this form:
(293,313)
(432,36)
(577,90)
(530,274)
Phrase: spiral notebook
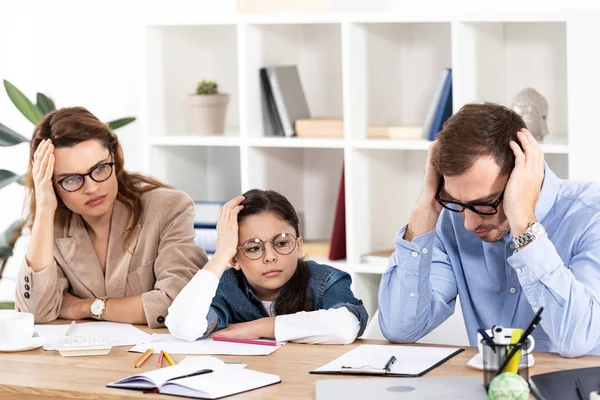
(369,359)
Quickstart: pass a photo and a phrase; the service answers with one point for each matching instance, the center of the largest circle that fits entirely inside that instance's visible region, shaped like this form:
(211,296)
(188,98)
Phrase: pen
(160,358)
(513,363)
(141,359)
(389,363)
(534,322)
(246,341)
(69,328)
(168,357)
(487,339)
(200,372)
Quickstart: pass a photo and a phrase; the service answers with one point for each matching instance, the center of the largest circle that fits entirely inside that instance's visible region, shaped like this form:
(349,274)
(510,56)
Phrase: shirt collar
(547,194)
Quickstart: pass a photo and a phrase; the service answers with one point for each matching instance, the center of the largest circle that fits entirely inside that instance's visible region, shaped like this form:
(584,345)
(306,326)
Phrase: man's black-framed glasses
(254,248)
(478,208)
(74,182)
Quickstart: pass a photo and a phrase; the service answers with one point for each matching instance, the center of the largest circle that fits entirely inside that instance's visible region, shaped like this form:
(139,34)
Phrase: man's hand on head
(523,187)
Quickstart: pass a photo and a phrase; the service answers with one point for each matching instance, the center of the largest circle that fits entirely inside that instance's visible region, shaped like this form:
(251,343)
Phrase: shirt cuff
(418,243)
(536,260)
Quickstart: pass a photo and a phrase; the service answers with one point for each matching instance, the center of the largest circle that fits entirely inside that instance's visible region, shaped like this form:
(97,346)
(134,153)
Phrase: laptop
(443,387)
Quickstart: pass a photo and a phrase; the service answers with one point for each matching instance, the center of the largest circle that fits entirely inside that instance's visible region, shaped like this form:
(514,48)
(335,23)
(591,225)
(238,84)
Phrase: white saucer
(477,362)
(9,346)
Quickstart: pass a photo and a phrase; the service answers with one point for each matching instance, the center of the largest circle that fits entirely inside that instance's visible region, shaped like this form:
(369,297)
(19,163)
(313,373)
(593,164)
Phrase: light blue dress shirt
(498,286)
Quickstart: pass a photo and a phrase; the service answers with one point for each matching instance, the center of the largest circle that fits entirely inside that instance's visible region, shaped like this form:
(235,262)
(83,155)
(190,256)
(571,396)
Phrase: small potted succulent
(209,108)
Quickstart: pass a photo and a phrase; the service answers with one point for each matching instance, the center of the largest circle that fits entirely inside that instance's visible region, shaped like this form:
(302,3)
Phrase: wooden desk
(38,373)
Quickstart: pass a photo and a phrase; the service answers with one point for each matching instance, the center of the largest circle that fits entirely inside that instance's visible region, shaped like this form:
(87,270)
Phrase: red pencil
(160,358)
(246,341)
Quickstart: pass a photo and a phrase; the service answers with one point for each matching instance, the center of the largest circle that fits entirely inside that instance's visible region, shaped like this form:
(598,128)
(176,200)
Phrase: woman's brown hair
(294,297)
(68,127)
(477,130)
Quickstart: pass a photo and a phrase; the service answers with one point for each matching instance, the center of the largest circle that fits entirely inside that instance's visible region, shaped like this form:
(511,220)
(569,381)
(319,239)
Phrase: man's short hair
(475,131)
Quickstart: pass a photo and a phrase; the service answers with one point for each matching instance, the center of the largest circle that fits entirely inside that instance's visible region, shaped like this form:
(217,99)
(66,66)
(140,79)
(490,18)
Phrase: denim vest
(235,300)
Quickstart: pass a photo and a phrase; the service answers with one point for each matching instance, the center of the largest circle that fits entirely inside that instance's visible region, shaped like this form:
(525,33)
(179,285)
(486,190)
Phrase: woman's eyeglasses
(73,183)
(254,248)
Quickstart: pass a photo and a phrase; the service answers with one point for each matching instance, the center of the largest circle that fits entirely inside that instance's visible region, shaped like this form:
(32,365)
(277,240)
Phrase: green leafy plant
(8,137)
(207,87)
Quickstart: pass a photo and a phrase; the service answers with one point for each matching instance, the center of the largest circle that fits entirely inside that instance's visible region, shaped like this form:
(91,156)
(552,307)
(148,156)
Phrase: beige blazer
(162,260)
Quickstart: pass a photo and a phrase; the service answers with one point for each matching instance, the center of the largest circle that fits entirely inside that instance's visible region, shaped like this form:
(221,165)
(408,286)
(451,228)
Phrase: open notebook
(223,381)
(372,359)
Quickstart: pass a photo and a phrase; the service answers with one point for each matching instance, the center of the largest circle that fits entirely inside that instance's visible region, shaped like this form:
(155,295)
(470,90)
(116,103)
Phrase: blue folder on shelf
(444,107)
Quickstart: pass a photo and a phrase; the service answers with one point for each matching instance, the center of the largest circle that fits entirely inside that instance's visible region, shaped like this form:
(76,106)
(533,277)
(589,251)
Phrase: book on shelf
(271,121)
(440,108)
(377,257)
(395,132)
(316,249)
(320,127)
(338,236)
(286,95)
(205,224)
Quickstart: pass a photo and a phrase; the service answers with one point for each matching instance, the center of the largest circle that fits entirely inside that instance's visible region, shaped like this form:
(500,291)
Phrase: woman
(105,243)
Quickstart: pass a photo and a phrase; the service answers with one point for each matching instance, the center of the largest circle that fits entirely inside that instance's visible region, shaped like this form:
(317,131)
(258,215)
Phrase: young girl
(270,291)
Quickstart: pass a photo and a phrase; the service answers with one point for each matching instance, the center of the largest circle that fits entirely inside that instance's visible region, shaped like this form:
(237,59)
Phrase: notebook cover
(560,385)
(391,375)
(271,119)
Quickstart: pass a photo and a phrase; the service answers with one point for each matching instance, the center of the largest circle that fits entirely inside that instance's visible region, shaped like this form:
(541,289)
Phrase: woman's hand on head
(42,171)
(227,228)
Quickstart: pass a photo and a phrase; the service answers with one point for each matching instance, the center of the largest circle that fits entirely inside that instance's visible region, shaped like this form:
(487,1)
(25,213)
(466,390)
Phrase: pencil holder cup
(494,357)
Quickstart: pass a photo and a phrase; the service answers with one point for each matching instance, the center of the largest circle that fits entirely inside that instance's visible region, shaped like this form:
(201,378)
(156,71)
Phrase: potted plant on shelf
(209,108)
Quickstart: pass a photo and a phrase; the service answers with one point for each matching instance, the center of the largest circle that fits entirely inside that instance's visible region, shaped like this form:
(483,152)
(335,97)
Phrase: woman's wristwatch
(98,307)
(534,230)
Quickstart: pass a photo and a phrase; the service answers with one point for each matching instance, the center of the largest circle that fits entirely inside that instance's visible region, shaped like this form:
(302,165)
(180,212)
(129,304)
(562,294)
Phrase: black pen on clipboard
(367,369)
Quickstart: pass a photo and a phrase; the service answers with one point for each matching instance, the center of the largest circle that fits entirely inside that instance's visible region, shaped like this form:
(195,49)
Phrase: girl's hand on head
(227,227)
(42,171)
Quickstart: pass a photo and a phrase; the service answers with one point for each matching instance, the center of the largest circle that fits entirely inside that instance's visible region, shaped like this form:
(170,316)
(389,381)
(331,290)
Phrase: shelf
(295,142)
(314,48)
(176,59)
(368,269)
(391,144)
(229,139)
(205,173)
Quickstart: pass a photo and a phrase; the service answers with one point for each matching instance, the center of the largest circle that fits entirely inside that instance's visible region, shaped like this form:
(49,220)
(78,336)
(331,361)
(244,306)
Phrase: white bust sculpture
(533,108)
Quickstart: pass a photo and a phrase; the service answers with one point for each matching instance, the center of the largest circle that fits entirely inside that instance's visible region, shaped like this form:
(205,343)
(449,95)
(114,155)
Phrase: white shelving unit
(369,69)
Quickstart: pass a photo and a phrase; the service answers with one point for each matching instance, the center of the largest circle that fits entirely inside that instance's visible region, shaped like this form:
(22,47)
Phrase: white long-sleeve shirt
(187,318)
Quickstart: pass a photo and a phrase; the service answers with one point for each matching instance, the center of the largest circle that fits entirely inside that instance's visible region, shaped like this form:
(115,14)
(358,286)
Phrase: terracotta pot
(209,112)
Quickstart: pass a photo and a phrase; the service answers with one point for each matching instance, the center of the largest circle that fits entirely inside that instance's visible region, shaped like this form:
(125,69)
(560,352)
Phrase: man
(495,226)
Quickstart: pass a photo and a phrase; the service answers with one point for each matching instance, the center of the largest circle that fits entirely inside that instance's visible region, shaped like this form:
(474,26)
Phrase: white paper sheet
(172,345)
(410,360)
(115,333)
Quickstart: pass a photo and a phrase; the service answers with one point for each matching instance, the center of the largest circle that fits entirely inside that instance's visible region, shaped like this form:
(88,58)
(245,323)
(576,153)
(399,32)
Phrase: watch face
(538,229)
(97,307)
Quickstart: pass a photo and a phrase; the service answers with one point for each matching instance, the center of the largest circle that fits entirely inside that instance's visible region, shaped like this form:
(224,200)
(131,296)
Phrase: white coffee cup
(16,326)
(503,336)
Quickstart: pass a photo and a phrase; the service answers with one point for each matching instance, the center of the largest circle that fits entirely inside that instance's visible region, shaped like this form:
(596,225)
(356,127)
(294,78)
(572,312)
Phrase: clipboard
(367,359)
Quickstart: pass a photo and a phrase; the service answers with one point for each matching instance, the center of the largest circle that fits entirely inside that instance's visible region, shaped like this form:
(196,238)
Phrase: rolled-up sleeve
(418,290)
(178,259)
(41,293)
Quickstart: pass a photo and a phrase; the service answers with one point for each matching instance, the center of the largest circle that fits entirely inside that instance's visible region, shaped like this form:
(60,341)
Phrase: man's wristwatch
(98,307)
(534,231)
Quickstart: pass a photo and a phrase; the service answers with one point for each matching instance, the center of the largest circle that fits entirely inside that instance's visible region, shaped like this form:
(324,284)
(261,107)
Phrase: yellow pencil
(168,357)
(513,363)
(141,359)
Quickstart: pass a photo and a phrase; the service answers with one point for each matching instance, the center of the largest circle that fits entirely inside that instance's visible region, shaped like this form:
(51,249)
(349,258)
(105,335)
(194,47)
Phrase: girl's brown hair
(294,297)
(68,127)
